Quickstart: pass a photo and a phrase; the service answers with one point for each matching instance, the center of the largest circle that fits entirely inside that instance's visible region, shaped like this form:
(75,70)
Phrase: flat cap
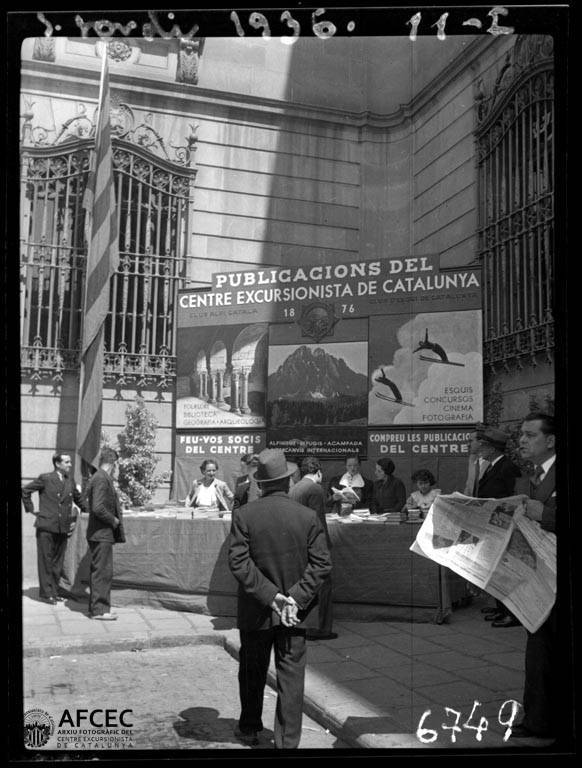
(496,437)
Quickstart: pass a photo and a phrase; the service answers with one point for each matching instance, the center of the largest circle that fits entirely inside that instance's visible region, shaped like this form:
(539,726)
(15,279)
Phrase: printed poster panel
(317,392)
(226,449)
(221,376)
(444,452)
(316,355)
(426,370)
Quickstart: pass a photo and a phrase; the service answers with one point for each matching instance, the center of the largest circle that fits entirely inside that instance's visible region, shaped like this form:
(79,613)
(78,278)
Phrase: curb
(310,707)
(134,643)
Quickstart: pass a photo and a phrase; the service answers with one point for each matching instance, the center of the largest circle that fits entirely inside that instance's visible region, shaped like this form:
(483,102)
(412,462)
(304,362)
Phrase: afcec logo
(38,728)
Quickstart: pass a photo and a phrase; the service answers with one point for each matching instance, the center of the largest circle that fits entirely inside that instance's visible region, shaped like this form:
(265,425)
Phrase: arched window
(515,136)
(153,196)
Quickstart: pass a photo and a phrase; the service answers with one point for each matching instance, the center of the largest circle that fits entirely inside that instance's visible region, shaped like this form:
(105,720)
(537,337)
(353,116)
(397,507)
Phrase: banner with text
(226,449)
(320,356)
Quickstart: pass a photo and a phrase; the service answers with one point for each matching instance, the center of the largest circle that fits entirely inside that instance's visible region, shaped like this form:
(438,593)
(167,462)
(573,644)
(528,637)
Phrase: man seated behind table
(351,478)
(389,493)
(245,486)
(209,493)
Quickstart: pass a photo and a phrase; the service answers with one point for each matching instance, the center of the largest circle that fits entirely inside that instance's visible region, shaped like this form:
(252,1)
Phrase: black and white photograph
(285,331)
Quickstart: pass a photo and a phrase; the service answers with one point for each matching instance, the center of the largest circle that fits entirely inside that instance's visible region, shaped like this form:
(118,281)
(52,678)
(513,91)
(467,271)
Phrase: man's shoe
(49,600)
(250,738)
(61,599)
(490,609)
(494,616)
(105,617)
(506,621)
(521,732)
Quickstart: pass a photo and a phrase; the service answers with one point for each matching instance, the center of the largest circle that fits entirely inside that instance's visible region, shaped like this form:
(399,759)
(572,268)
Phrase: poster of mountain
(318,384)
(221,376)
(426,370)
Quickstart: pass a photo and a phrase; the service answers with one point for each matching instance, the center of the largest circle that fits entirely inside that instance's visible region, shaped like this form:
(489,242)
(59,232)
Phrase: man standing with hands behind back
(278,554)
(104,529)
(54,522)
(537,443)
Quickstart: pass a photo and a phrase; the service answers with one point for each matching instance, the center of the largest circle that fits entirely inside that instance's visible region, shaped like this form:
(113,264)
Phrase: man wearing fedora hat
(497,482)
(279,556)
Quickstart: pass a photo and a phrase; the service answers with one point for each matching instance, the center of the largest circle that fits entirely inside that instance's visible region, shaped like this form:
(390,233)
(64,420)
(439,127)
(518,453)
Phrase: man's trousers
(541,696)
(290,658)
(100,578)
(50,554)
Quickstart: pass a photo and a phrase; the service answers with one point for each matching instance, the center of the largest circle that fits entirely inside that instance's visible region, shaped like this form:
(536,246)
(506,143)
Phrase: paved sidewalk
(369,687)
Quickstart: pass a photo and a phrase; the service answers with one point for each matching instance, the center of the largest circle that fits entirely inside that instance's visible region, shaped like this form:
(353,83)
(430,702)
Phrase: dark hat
(493,436)
(273,466)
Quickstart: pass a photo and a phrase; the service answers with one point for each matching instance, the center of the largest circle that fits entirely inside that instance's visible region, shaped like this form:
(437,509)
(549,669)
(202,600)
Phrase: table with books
(179,559)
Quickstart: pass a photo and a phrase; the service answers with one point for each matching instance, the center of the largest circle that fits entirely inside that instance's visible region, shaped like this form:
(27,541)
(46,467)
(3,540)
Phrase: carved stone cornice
(44,49)
(188,60)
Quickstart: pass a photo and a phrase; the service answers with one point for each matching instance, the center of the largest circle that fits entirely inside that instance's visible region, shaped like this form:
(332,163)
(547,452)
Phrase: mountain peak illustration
(314,374)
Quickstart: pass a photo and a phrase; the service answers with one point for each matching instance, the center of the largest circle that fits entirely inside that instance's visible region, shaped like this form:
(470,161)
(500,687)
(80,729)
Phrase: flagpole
(79,461)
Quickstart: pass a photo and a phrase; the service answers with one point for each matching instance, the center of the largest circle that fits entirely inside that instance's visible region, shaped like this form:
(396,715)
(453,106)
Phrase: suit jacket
(224,495)
(544,492)
(56,499)
(498,480)
(474,464)
(104,509)
(276,545)
(311,495)
(242,488)
(389,495)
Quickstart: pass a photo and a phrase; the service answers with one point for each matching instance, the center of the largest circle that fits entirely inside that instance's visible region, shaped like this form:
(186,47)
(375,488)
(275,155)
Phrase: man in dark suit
(245,487)
(541,694)
(54,522)
(308,491)
(497,482)
(278,554)
(104,529)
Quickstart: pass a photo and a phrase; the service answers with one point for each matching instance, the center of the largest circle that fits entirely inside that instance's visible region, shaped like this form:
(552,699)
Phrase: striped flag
(102,262)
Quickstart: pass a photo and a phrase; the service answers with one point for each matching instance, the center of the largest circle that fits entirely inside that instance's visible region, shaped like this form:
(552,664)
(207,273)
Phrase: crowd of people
(279,553)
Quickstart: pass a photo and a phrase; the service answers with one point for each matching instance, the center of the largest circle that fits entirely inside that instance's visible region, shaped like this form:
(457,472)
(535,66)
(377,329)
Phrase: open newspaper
(492,544)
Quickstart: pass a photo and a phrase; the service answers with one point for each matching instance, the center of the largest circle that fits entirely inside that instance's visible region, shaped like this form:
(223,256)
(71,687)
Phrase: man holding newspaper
(537,443)
(507,547)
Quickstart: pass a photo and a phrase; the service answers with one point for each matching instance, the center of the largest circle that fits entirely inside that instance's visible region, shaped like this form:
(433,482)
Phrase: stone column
(244,391)
(220,389)
(205,384)
(234,392)
(212,398)
(200,392)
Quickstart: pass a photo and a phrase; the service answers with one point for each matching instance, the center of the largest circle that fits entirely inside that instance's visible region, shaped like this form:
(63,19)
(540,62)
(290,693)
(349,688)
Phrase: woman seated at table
(425,493)
(209,494)
(389,494)
(355,481)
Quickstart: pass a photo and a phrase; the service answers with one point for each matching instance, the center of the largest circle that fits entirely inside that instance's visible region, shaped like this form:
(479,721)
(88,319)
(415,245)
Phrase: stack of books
(414,515)
(393,517)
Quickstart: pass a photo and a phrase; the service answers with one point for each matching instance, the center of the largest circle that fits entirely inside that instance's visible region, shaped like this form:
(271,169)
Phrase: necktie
(536,479)
(477,468)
